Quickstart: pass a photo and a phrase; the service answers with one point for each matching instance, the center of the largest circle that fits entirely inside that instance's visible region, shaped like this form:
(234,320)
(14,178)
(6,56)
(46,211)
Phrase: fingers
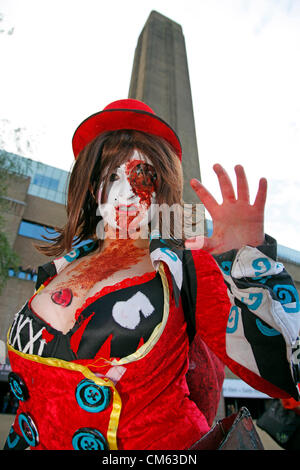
(242,184)
(224,182)
(261,195)
(227,189)
(243,193)
(204,195)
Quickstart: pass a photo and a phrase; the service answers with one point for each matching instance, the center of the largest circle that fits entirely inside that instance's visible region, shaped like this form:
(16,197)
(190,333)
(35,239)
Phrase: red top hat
(124,114)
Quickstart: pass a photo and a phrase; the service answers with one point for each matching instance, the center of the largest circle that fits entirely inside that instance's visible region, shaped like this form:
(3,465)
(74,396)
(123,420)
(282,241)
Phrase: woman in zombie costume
(99,354)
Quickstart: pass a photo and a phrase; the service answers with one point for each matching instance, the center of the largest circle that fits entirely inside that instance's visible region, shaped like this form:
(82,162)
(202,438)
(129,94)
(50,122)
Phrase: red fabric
(52,404)
(205,378)
(47,336)
(213,308)
(157,411)
(129,104)
(156,414)
(291,403)
(124,114)
(171,420)
(76,337)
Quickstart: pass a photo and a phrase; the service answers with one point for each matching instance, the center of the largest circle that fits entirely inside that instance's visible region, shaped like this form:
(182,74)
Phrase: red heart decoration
(62,297)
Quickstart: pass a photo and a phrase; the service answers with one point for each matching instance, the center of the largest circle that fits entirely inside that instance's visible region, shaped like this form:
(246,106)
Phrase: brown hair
(94,164)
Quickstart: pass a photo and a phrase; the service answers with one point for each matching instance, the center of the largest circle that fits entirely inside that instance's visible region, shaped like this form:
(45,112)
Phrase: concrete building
(36,203)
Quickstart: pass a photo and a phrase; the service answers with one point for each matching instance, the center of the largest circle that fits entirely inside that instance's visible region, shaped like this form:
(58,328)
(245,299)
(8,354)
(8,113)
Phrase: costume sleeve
(247,311)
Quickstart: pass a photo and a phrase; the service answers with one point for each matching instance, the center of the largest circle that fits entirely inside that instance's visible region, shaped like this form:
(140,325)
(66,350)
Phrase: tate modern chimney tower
(160,78)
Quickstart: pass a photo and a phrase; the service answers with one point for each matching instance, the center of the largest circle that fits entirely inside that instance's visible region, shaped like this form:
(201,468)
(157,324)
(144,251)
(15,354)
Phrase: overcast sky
(62,60)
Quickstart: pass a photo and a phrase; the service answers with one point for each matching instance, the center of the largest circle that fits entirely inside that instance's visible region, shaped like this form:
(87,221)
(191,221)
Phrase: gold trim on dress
(157,332)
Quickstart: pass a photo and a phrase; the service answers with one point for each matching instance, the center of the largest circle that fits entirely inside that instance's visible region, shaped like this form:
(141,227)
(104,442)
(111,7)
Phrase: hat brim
(118,119)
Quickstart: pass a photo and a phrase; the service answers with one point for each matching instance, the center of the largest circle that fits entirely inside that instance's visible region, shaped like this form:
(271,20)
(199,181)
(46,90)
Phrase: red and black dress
(120,378)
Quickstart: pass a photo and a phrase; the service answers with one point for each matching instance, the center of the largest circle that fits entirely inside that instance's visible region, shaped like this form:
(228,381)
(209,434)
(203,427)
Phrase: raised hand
(236,222)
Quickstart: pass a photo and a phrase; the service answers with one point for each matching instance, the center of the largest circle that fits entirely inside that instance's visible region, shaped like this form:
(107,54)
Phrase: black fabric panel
(189,293)
(161,243)
(280,286)
(15,442)
(44,272)
(269,351)
(124,341)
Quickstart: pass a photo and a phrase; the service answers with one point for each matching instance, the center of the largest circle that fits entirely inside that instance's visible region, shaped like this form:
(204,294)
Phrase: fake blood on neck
(117,256)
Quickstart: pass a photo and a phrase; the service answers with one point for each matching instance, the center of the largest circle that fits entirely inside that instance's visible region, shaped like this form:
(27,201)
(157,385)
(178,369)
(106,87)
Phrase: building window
(45,181)
(24,273)
(36,231)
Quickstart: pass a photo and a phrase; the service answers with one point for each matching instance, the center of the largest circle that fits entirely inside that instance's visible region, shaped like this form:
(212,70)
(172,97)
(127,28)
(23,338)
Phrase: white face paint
(130,194)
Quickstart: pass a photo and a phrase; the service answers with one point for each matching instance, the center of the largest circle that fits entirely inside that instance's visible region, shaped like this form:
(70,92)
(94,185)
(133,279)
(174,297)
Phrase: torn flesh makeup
(130,195)
(142,178)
